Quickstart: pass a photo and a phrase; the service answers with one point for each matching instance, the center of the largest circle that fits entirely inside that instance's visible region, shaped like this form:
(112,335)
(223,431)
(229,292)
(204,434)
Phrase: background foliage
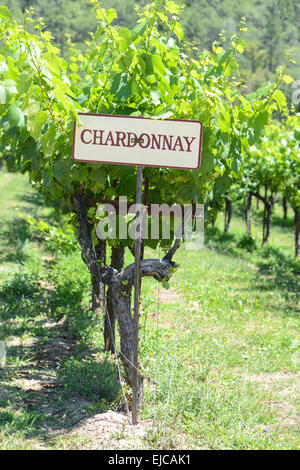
(273,27)
(241,309)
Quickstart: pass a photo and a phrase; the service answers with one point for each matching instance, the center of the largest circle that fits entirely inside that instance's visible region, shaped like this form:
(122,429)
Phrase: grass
(220,348)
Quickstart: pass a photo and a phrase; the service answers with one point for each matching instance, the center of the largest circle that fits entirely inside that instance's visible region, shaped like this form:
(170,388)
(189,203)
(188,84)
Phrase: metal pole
(137,288)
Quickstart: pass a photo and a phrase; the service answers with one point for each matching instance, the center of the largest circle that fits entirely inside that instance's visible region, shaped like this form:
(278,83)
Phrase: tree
(145,71)
(263,177)
(273,35)
(290,152)
(61,17)
(270,167)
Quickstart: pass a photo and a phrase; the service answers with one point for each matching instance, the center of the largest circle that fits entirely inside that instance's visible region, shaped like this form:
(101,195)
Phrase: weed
(90,379)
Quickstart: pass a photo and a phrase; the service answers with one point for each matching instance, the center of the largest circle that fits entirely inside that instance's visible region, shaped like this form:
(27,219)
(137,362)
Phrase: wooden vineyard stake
(136,390)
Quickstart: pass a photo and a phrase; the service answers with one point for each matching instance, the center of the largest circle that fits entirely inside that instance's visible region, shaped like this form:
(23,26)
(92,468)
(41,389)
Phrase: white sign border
(137,164)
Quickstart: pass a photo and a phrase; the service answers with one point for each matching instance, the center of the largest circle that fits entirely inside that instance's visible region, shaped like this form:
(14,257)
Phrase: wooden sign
(130,140)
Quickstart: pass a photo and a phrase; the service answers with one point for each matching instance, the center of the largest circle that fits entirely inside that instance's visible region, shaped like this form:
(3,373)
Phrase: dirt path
(5,179)
(283,390)
(66,419)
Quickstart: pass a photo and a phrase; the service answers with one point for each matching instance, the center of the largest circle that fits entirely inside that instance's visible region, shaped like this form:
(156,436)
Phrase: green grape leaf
(15,116)
(121,87)
(61,170)
(3,67)
(158,66)
(139,30)
(25,81)
(5,14)
(2,94)
(173,7)
(49,142)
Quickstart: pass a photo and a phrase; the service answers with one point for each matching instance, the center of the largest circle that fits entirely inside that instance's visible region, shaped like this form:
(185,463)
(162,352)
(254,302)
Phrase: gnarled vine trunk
(98,288)
(284,207)
(248,214)
(228,214)
(120,285)
(90,254)
(269,202)
(268,209)
(117,262)
(297,232)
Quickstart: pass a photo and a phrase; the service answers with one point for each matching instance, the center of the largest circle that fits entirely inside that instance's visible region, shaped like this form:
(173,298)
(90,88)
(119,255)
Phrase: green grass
(237,320)
(220,348)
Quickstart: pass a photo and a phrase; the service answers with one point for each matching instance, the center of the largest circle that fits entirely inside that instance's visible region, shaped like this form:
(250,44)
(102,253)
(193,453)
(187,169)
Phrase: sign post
(137,290)
(130,140)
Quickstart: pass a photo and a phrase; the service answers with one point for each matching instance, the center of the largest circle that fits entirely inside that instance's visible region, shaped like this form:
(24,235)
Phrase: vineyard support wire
(113,339)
